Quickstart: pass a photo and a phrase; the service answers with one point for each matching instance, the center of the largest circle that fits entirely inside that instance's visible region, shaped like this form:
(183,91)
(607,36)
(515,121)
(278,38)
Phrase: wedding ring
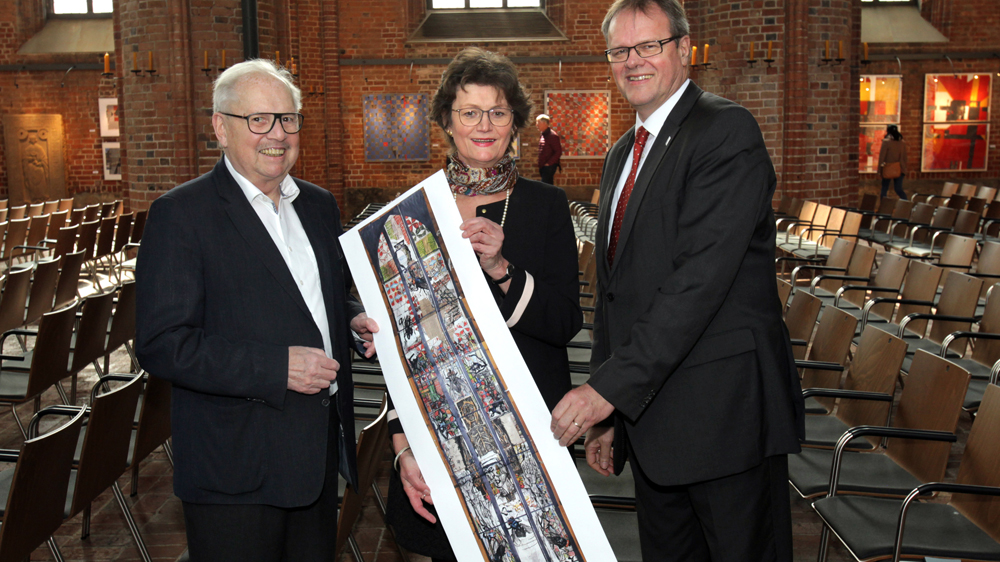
(576,424)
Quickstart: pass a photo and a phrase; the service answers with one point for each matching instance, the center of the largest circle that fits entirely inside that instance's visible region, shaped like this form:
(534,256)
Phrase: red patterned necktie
(641,135)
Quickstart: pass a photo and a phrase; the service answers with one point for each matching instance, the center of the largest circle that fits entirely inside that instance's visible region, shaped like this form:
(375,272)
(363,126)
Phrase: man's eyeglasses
(262,123)
(471,116)
(644,50)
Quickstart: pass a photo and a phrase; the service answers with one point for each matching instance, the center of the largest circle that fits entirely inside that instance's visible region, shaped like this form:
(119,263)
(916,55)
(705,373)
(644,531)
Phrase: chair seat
(622,529)
(814,406)
(977,371)
(6,479)
(867,526)
(825,431)
(927,345)
(974,395)
(871,473)
(13,385)
(893,328)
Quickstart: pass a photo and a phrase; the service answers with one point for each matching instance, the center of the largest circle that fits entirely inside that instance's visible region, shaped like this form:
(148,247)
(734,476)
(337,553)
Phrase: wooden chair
(990,227)
(17,232)
(884,210)
(35,490)
(801,321)
(103,452)
(66,204)
(977,205)
(919,287)
(17,213)
(15,299)
(956,202)
(92,212)
(37,230)
(888,280)
(371,447)
(76,216)
(801,222)
(122,326)
(986,193)
(836,261)
(50,207)
(942,220)
(139,225)
(985,349)
(784,291)
(35,209)
(153,426)
(920,215)
(830,348)
(105,242)
(815,229)
(90,336)
(882,225)
(57,220)
(87,238)
(928,412)
(48,361)
(874,369)
(43,290)
(966,223)
(817,236)
(966,527)
(67,289)
(859,269)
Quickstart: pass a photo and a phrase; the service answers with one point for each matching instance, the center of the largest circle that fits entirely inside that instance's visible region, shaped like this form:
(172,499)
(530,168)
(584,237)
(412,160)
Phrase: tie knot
(641,134)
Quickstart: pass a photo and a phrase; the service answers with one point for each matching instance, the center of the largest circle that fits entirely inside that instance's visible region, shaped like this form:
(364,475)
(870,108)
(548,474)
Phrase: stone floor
(159,515)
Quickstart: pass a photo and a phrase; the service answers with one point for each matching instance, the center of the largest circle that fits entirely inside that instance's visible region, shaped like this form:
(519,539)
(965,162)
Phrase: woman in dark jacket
(893,150)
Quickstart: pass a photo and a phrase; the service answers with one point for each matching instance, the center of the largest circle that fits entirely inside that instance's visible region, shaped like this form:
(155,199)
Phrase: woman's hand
(413,480)
(487,240)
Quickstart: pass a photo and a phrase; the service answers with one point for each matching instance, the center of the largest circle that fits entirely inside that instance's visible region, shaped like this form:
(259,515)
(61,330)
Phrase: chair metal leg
(135,360)
(135,481)
(13,411)
(54,549)
(354,548)
(132,527)
(85,524)
(63,396)
(824,543)
(379,499)
(169,450)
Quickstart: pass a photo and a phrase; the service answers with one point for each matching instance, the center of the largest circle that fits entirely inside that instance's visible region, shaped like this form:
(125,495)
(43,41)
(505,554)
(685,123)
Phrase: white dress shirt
(653,125)
(282,223)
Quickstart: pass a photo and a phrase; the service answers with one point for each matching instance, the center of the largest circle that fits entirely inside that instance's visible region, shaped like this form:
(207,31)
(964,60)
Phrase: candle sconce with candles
(206,69)
(107,67)
(752,60)
(694,58)
(864,54)
(827,59)
(135,64)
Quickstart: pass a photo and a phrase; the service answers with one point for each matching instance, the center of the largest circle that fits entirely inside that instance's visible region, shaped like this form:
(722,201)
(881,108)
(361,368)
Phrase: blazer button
(610,297)
(325,402)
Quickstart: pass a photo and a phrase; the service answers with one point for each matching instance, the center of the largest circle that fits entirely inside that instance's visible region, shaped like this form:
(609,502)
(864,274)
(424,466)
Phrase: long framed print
(582,119)
(950,98)
(880,98)
(503,487)
(107,112)
(954,147)
(112,157)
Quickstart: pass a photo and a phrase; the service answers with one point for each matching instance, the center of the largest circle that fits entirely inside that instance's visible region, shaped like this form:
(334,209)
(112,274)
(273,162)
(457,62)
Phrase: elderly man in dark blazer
(243,306)
(690,354)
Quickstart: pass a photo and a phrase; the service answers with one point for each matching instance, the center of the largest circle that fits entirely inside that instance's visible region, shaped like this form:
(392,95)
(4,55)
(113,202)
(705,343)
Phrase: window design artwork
(66,7)
(397,127)
(503,485)
(582,119)
(473,4)
(956,112)
(880,106)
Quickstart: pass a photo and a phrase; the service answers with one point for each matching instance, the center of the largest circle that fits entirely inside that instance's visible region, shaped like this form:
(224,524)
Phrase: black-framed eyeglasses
(262,123)
(644,50)
(472,116)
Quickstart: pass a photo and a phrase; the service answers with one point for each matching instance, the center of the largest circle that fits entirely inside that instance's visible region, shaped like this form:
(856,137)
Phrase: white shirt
(282,223)
(653,124)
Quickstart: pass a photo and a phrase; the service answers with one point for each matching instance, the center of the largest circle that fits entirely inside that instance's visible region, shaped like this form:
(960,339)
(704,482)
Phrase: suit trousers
(548,174)
(264,533)
(744,517)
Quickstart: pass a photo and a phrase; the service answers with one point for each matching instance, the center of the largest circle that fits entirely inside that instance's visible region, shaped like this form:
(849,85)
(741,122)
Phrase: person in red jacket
(549,150)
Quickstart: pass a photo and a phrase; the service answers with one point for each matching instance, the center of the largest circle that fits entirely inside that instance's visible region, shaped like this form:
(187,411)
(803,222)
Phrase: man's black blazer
(689,344)
(217,310)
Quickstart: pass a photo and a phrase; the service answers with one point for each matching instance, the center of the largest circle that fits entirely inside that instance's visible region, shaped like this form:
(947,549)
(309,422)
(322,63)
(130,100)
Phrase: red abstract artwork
(955,147)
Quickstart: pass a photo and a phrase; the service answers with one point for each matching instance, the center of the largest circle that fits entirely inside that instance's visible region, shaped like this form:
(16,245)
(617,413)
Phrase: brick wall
(806,110)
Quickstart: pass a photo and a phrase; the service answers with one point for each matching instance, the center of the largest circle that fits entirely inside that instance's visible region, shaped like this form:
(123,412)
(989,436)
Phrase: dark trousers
(744,517)
(254,532)
(548,174)
(897,184)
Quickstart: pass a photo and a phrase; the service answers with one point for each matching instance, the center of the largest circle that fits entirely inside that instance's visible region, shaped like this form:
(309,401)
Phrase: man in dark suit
(690,353)
(243,306)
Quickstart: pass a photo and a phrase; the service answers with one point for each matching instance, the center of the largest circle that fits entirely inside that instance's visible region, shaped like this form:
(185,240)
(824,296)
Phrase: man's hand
(310,370)
(577,412)
(414,486)
(365,327)
(599,449)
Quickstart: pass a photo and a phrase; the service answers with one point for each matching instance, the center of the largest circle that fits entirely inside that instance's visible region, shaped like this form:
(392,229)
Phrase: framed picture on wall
(880,98)
(954,147)
(107,111)
(397,127)
(870,144)
(950,98)
(112,160)
(582,119)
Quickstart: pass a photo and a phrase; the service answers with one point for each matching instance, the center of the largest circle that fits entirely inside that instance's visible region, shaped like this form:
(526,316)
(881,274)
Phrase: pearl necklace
(506,203)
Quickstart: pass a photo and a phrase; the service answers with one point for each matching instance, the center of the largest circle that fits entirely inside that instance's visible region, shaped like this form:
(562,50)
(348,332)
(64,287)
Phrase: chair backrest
(834,224)
(875,368)
(65,240)
(38,490)
(3,215)
(43,289)
(17,232)
(57,220)
(76,216)
(66,204)
(979,465)
(801,319)
(139,224)
(38,227)
(784,291)
(987,352)
(958,252)
(862,260)
(92,330)
(50,207)
(831,344)
(869,201)
(921,284)
(958,298)
(51,356)
(840,253)
(104,455)
(976,205)
(931,400)
(784,205)
(153,427)
(986,193)
(966,223)
(949,188)
(820,219)
(890,275)
(92,212)
(968,189)
(35,209)
(87,237)
(371,450)
(957,202)
(19,212)
(122,233)
(851,226)
(69,279)
(123,321)
(106,237)
(15,297)
(108,209)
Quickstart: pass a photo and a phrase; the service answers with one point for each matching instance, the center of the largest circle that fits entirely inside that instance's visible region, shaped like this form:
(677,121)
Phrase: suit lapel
(657,156)
(248,224)
(609,181)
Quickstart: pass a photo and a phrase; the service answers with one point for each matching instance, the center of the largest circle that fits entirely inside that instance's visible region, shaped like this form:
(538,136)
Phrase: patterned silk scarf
(480,181)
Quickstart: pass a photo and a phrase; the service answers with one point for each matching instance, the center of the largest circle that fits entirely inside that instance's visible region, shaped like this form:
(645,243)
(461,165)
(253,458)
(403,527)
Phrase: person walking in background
(892,161)
(549,150)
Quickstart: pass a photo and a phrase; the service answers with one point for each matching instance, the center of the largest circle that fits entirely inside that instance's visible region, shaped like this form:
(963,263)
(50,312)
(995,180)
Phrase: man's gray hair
(672,8)
(225,92)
